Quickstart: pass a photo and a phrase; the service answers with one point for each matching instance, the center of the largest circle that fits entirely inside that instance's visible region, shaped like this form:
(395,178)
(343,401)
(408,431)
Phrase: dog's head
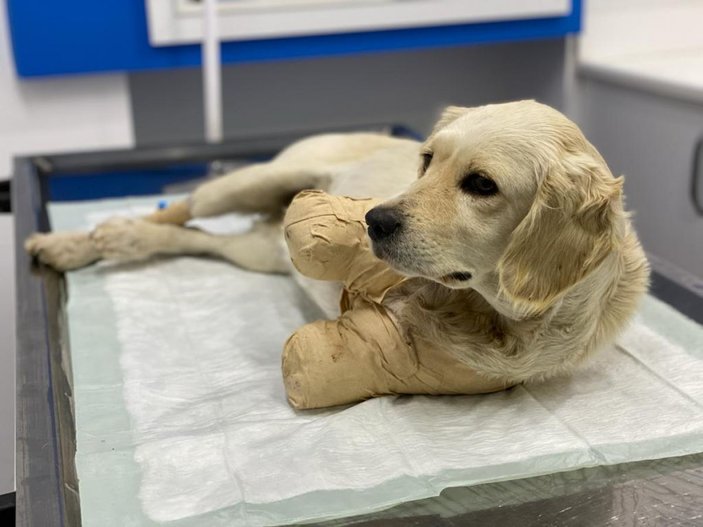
(510,192)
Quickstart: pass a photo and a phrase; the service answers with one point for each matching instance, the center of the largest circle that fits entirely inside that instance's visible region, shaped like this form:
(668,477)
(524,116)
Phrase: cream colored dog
(515,219)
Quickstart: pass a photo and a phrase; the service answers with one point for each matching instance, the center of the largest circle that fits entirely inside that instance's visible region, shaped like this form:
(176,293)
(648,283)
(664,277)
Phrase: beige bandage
(357,356)
(326,237)
(363,353)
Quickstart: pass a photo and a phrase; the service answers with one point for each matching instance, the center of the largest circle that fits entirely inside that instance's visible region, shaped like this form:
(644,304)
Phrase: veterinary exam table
(666,491)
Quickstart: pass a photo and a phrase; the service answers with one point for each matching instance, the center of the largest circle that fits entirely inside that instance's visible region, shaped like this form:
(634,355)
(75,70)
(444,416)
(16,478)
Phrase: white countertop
(653,44)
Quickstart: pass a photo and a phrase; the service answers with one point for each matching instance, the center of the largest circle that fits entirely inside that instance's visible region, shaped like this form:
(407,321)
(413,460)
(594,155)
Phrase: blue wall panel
(51,37)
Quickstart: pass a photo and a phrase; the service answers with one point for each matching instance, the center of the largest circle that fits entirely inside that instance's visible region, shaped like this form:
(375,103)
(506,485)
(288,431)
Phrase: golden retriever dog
(507,209)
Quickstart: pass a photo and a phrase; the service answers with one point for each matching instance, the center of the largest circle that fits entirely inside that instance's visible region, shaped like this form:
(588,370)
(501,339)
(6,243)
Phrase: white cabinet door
(174,22)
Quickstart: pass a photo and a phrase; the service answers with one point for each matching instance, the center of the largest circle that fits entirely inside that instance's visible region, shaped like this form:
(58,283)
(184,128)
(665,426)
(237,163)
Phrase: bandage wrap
(363,353)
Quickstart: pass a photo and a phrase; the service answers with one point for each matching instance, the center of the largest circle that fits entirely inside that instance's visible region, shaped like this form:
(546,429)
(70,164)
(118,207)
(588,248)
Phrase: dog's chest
(423,307)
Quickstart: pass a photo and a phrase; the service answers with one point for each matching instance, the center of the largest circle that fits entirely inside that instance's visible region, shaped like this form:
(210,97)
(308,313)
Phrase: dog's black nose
(383,222)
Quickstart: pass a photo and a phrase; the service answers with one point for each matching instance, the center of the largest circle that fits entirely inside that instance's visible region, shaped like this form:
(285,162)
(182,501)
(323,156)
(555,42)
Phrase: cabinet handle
(696,176)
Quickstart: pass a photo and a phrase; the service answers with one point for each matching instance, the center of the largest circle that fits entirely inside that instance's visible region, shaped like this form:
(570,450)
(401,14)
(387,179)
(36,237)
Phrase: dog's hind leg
(131,239)
(261,249)
(66,251)
(63,251)
(263,188)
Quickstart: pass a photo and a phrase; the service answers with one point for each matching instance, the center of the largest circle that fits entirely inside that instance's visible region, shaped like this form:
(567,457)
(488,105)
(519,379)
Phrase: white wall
(640,101)
(652,44)
(61,114)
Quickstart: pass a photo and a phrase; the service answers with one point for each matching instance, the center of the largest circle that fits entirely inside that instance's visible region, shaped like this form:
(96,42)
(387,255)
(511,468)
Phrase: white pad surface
(179,401)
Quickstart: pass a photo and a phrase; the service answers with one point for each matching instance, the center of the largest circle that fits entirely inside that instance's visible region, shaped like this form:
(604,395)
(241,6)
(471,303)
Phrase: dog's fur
(520,285)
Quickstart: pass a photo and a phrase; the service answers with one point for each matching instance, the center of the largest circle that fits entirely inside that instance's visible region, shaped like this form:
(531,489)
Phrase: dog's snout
(383,222)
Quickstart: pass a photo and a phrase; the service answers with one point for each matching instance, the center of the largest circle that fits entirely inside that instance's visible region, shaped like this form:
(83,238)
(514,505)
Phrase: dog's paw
(63,251)
(127,239)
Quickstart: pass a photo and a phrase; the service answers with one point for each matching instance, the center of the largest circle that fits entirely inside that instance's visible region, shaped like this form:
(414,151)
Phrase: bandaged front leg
(358,356)
(363,354)
(326,237)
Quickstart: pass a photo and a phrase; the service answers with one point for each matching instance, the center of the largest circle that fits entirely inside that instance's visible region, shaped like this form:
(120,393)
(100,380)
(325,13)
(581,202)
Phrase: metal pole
(212,73)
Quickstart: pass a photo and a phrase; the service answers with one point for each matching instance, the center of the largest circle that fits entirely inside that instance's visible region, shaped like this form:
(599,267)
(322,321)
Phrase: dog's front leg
(360,355)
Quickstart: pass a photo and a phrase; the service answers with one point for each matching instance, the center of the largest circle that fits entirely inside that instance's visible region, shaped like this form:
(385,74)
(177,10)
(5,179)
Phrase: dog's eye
(426,160)
(478,185)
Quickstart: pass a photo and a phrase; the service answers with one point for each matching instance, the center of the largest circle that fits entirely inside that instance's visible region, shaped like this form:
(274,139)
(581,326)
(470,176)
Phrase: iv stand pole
(212,73)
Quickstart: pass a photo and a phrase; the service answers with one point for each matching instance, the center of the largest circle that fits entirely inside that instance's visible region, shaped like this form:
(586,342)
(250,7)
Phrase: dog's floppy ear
(449,115)
(573,224)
